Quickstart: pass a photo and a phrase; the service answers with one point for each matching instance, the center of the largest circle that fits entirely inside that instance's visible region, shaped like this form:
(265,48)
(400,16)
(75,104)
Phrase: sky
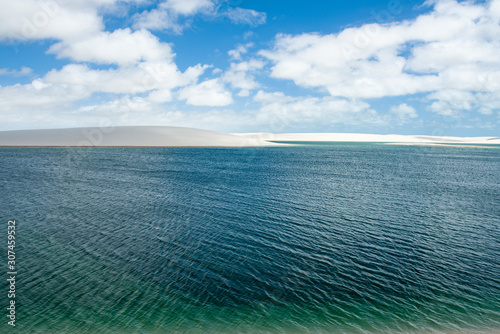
(371,66)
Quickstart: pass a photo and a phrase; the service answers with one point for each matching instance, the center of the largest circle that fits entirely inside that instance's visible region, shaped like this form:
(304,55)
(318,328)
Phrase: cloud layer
(444,62)
(448,53)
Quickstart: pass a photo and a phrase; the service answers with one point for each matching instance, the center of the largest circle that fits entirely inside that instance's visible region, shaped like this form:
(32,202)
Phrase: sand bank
(160,136)
(164,136)
(357,137)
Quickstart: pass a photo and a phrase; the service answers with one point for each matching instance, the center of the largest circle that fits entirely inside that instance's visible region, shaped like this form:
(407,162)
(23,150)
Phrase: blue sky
(407,67)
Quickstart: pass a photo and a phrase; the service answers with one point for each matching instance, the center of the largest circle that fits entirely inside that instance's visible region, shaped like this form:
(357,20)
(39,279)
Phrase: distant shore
(127,136)
(359,137)
(166,136)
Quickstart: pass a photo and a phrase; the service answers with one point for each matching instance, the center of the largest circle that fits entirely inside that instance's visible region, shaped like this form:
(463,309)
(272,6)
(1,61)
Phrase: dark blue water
(338,238)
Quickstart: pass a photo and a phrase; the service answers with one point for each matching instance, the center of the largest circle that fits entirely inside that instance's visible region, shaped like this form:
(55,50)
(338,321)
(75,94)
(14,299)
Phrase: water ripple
(341,238)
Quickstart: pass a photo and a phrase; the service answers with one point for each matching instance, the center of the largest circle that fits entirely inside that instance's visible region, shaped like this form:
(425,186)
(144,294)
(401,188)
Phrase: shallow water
(330,238)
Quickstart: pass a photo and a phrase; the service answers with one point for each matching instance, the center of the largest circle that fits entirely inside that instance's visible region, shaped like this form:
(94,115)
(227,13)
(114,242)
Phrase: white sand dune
(127,136)
(357,137)
(181,137)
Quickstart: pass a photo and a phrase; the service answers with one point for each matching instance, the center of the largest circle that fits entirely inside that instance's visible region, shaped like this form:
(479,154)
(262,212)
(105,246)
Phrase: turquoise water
(330,238)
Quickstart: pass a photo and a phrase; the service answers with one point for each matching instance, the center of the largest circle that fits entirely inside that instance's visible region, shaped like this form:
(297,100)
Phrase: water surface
(330,238)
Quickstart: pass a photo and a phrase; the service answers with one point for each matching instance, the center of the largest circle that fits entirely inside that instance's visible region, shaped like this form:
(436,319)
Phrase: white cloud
(59,90)
(449,54)
(121,46)
(454,47)
(279,112)
(265,97)
(461,100)
(120,108)
(125,80)
(16,73)
(452,102)
(39,104)
(404,112)
(240,49)
(160,96)
(139,78)
(208,93)
(31,19)
(244,93)
(167,16)
(158,19)
(238,76)
(240,79)
(121,111)
(187,7)
(245,16)
(246,66)
(38,94)
(174,15)
(67,20)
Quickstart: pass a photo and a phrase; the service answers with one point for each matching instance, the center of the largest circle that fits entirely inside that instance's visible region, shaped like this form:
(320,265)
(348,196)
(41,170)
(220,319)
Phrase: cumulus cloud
(453,102)
(138,78)
(450,48)
(404,112)
(39,104)
(208,93)
(142,75)
(121,47)
(31,19)
(280,112)
(38,94)
(449,56)
(239,76)
(123,80)
(60,89)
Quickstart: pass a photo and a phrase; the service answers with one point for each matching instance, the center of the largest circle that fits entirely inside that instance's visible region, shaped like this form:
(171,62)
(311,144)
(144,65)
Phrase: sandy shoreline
(129,136)
(465,145)
(165,136)
(358,137)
